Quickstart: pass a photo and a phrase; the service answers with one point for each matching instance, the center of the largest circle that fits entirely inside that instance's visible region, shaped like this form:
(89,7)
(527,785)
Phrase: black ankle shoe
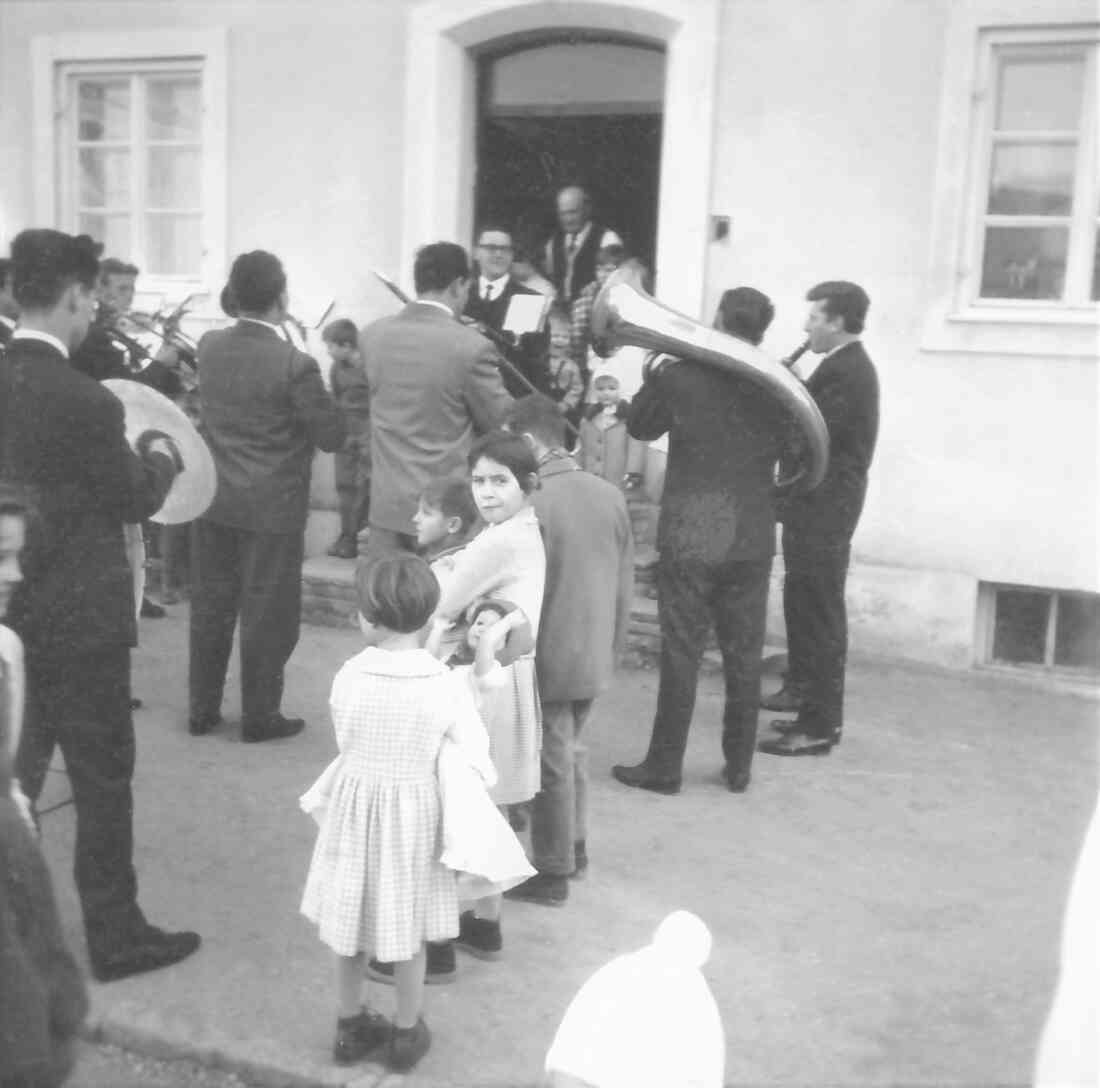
(275,728)
(642,778)
(359,1035)
(479,936)
(543,888)
(408,1046)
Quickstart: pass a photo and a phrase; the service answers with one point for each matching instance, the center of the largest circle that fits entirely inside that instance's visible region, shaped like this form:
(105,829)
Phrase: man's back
(264,408)
(589,580)
(433,385)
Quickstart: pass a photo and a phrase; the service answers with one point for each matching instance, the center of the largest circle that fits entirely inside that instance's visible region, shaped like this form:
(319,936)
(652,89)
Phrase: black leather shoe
(275,728)
(441,968)
(787,700)
(642,778)
(543,888)
(150,949)
(479,936)
(344,548)
(736,781)
(151,611)
(359,1035)
(199,727)
(799,743)
(408,1046)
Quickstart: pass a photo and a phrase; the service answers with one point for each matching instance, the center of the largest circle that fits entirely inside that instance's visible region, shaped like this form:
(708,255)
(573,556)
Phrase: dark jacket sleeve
(115,470)
(315,406)
(650,414)
(486,398)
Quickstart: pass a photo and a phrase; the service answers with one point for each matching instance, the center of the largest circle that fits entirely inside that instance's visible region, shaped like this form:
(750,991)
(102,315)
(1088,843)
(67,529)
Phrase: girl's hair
(453,498)
(399,592)
(13,501)
(511,451)
(499,607)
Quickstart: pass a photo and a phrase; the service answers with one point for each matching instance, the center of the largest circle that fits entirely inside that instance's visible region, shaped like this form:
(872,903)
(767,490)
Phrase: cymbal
(193,489)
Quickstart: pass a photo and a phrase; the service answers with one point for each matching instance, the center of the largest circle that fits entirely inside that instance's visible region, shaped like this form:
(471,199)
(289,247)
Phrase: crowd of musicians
(486,481)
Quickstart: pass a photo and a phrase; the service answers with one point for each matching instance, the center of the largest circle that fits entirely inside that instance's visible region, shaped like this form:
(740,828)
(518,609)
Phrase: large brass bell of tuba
(624,314)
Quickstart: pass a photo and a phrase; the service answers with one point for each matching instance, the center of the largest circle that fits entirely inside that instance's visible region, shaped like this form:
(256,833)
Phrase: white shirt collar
(279,332)
(581,235)
(839,347)
(35,334)
(495,286)
(438,305)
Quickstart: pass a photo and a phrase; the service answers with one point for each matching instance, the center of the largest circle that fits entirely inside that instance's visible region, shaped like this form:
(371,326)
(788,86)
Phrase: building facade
(943,153)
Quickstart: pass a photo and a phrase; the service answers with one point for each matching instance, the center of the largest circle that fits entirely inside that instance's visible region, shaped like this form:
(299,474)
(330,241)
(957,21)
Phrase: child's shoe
(357,1036)
(408,1046)
(479,936)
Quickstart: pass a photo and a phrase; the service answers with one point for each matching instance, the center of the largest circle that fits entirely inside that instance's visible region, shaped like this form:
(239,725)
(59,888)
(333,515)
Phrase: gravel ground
(102,1066)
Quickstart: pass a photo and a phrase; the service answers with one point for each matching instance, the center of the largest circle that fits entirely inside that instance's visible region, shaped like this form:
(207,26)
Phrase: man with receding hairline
(570,254)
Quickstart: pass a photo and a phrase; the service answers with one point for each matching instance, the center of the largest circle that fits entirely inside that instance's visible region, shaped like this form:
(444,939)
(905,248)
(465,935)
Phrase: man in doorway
(716,537)
(265,412)
(818,526)
(434,384)
(65,443)
(492,291)
(9,309)
(570,254)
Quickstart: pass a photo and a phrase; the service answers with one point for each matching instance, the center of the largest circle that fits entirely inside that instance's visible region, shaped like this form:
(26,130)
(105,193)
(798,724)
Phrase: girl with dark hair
(504,562)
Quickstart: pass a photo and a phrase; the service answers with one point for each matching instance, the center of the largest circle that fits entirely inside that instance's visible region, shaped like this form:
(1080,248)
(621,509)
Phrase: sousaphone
(624,314)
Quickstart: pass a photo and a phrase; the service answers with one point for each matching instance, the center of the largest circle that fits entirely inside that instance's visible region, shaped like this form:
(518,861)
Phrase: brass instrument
(624,314)
(789,360)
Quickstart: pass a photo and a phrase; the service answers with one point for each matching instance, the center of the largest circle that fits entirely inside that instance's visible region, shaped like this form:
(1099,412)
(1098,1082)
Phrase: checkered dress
(375,883)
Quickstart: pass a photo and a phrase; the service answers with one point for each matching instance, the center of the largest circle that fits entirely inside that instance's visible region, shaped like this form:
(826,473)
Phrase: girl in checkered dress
(505,561)
(375,884)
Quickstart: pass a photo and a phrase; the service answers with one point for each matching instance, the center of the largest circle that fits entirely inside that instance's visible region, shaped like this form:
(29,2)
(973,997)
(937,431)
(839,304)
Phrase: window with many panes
(131,162)
(1037,193)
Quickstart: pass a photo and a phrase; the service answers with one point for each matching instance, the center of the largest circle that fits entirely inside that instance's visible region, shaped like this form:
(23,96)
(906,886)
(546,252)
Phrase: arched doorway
(444,42)
(559,110)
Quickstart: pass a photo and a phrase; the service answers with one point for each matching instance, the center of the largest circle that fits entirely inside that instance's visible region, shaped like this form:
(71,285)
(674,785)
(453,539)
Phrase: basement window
(1041,628)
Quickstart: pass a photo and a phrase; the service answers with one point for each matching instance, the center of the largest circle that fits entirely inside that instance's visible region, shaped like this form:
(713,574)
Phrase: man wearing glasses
(491,293)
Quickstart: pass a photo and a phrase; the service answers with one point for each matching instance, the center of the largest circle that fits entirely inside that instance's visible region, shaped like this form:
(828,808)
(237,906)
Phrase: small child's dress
(375,881)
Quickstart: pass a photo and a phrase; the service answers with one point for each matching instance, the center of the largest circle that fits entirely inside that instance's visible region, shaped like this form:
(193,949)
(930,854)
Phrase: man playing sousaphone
(62,437)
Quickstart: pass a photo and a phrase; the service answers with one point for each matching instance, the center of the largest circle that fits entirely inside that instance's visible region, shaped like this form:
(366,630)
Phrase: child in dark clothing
(348,377)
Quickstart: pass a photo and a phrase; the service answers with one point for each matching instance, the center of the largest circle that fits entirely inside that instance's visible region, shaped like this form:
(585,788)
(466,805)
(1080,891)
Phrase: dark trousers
(352,476)
(258,577)
(691,595)
(82,704)
(817,625)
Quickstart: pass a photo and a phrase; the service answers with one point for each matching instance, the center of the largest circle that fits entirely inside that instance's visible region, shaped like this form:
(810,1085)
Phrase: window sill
(1009,330)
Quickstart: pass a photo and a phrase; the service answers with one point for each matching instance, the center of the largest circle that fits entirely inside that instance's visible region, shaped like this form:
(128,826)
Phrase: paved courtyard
(887,915)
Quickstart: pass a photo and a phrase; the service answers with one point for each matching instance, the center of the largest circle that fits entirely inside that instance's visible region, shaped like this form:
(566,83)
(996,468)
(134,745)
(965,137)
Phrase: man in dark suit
(716,537)
(265,410)
(490,295)
(570,254)
(63,439)
(434,384)
(9,309)
(818,526)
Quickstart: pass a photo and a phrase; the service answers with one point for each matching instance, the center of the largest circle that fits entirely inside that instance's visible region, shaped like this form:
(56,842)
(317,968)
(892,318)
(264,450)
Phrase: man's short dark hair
(495,226)
(537,415)
(45,263)
(5,271)
(256,281)
(842,299)
(438,265)
(746,313)
(341,331)
(112,266)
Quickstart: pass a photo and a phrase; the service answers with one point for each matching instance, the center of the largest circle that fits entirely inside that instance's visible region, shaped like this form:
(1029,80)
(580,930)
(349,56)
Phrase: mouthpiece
(797,354)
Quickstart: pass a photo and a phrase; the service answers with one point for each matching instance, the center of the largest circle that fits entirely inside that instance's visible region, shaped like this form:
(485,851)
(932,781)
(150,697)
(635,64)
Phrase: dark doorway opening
(577,110)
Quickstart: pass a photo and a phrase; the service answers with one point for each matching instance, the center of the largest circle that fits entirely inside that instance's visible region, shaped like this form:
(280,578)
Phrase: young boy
(566,377)
(445,520)
(351,392)
(606,447)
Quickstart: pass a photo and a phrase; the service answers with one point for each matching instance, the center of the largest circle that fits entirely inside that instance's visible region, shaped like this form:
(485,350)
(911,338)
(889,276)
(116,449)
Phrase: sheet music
(526,313)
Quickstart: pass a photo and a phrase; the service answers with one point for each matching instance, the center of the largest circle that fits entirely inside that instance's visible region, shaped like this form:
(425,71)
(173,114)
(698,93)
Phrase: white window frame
(55,56)
(958,320)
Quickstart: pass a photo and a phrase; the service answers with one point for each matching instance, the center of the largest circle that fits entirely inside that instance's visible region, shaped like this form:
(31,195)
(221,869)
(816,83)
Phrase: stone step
(328,600)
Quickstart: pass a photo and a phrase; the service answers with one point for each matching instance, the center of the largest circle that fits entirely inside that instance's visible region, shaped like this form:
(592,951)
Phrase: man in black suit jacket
(818,526)
(62,438)
(265,411)
(716,537)
(490,295)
